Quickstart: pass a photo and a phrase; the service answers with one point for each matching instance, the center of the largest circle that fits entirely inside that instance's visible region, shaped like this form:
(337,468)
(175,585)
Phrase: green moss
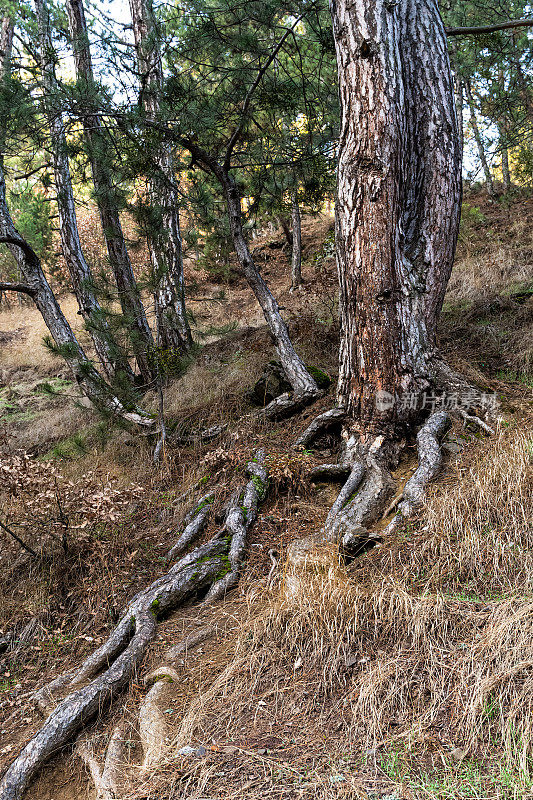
(154,607)
(259,486)
(323,380)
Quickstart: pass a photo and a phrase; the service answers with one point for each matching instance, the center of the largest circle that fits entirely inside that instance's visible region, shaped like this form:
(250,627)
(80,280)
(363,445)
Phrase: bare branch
(499,26)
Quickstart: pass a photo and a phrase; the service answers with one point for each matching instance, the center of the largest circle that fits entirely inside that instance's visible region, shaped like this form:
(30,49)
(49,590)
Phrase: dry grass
(384,658)
(480,524)
(26,350)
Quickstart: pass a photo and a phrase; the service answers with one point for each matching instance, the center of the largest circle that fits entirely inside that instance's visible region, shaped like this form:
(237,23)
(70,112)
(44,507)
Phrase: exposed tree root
(109,669)
(476,421)
(362,498)
(195,521)
(321,423)
(241,514)
(330,472)
(288,404)
(153,727)
(107,780)
(429,464)
(201,437)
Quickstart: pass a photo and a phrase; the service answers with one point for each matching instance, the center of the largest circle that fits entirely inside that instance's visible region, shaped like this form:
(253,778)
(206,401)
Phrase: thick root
(330,472)
(109,779)
(240,516)
(153,728)
(429,464)
(288,404)
(195,522)
(321,423)
(361,500)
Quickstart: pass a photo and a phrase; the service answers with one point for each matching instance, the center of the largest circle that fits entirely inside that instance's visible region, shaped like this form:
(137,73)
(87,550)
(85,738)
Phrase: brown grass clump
(481,524)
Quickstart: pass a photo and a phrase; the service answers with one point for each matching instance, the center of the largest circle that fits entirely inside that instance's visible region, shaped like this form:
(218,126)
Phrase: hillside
(403,674)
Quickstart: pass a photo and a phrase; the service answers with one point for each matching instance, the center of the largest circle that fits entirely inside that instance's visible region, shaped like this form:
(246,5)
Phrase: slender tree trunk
(298,376)
(80,272)
(399,189)
(89,380)
(296,263)
(87,377)
(164,238)
(479,141)
(101,167)
(506,175)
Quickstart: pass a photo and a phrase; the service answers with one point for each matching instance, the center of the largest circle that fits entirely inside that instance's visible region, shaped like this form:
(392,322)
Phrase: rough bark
(164,237)
(195,522)
(320,424)
(479,141)
(296,261)
(398,203)
(80,273)
(459,95)
(101,168)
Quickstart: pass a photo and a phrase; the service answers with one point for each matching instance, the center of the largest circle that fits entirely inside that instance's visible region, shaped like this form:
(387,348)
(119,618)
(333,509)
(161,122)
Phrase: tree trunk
(399,189)
(298,376)
(80,272)
(479,141)
(296,263)
(89,380)
(164,238)
(286,230)
(506,175)
(101,167)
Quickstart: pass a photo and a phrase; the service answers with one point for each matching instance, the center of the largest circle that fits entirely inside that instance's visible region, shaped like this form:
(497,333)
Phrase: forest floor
(405,674)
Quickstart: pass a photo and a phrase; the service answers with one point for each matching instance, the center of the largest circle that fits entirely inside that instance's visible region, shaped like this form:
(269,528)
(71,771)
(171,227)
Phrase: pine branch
(499,26)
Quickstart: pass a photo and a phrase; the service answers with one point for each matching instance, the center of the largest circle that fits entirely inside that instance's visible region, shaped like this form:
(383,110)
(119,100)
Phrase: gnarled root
(321,423)
(109,779)
(109,669)
(362,498)
(288,404)
(153,727)
(429,464)
(240,516)
(195,521)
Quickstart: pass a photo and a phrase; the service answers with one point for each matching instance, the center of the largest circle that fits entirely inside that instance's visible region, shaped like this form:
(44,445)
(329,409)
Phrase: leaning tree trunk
(37,287)
(101,167)
(399,187)
(296,262)
(87,377)
(164,237)
(80,272)
(298,376)
(479,141)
